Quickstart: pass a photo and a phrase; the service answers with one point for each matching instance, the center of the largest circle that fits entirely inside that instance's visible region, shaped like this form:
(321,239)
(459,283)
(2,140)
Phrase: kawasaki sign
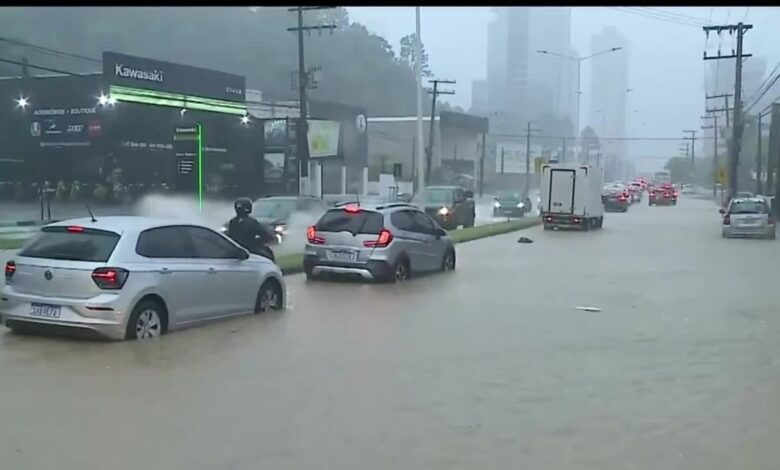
(122,70)
(160,76)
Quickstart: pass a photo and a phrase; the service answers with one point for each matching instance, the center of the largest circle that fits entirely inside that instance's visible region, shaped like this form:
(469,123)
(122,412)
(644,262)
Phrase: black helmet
(243,206)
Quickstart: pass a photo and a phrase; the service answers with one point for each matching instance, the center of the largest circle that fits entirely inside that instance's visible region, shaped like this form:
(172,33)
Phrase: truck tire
(601,222)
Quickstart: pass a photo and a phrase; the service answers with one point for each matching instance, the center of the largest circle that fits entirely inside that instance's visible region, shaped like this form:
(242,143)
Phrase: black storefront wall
(63,134)
(144,148)
(140,72)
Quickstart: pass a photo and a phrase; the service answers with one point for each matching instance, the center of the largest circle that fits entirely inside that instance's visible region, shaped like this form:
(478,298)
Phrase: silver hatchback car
(385,242)
(134,278)
(748,217)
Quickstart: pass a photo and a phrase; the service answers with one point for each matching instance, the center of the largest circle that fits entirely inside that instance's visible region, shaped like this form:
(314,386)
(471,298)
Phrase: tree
(406,54)
(679,168)
(358,68)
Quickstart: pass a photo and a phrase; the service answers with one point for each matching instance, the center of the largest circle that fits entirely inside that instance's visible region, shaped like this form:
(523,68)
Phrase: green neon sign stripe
(179,104)
(159,98)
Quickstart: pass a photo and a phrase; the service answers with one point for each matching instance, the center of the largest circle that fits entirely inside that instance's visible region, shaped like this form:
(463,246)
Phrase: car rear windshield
(748,207)
(360,221)
(72,244)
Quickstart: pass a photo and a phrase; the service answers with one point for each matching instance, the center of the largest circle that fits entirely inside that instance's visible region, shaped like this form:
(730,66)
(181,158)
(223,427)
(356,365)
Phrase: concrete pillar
(343,179)
(365,182)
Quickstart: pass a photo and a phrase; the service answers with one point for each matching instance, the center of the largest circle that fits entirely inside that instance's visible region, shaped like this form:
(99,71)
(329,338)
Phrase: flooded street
(489,367)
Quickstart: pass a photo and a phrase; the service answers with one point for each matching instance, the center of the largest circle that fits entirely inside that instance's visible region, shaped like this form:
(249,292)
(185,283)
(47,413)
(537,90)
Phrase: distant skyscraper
(609,90)
(522,84)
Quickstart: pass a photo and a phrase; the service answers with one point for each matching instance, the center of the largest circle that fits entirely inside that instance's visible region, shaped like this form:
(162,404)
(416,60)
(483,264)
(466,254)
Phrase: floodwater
(491,366)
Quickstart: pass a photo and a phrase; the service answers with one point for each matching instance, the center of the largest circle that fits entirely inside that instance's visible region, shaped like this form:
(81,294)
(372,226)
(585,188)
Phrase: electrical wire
(659,17)
(674,15)
(48,50)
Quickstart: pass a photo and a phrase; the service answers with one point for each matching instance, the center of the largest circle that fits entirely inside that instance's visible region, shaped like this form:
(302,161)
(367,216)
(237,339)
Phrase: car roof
(748,199)
(377,206)
(126,223)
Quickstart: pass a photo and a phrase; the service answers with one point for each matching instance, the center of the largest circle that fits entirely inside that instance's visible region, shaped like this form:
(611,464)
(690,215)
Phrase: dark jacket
(250,233)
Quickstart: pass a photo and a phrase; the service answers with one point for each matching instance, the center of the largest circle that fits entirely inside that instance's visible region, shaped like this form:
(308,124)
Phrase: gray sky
(666,66)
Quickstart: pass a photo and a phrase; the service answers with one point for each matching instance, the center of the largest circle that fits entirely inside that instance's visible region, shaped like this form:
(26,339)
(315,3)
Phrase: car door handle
(165,271)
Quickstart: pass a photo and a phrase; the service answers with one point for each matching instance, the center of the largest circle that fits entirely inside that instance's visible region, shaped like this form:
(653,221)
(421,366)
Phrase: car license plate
(343,255)
(45,310)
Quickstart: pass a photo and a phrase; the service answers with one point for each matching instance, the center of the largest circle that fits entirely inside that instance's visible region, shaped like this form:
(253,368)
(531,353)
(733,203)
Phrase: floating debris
(524,240)
(588,309)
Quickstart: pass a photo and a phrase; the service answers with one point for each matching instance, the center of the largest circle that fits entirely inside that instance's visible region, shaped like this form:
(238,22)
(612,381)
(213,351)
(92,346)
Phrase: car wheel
(146,321)
(269,297)
(601,222)
(448,263)
(400,271)
(772,235)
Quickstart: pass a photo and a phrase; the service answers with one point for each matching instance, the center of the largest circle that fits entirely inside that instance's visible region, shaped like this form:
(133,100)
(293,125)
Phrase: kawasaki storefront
(142,125)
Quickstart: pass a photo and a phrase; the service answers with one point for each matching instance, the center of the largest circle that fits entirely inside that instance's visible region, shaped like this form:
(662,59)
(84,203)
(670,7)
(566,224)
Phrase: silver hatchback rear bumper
(362,272)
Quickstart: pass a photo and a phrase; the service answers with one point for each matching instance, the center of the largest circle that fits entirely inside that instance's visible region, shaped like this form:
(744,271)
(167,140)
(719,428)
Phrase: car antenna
(91,214)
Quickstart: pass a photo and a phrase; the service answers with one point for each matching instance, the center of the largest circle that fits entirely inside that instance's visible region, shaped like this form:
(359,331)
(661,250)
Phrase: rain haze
(300,237)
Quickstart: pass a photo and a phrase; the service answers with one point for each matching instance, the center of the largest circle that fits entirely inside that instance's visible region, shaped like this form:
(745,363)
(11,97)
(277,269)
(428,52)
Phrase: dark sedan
(511,204)
(616,198)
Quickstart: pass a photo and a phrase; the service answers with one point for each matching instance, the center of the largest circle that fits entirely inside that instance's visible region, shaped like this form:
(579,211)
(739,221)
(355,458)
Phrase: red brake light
(75,229)
(384,239)
(10,269)
(727,219)
(110,278)
(312,237)
(352,209)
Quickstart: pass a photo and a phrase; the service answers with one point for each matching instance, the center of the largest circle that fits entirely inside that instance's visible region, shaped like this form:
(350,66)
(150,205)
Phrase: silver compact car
(386,242)
(133,278)
(748,217)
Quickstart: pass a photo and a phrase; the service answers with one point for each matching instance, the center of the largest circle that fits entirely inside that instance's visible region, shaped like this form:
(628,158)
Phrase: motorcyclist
(248,232)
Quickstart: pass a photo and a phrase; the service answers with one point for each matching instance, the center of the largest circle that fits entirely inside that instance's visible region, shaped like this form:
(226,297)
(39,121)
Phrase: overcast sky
(666,66)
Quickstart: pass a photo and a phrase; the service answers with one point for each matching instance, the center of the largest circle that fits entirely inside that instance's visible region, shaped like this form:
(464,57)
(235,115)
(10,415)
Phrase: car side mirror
(722,211)
(469,194)
(242,254)
(440,232)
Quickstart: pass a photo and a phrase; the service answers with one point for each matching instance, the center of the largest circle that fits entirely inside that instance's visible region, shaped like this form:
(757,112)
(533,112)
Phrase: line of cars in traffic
(134,277)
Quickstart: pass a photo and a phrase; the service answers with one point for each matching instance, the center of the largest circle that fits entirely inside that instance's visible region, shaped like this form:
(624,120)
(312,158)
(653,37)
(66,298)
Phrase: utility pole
(715,163)
(736,135)
(692,138)
(303,83)
(528,131)
(759,163)
(420,132)
(726,108)
(429,151)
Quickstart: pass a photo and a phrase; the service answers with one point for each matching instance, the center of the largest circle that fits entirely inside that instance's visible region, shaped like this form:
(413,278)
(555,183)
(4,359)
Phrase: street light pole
(579,83)
(420,134)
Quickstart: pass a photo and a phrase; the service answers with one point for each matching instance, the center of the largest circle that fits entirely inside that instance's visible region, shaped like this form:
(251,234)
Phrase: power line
(674,15)
(660,17)
(50,51)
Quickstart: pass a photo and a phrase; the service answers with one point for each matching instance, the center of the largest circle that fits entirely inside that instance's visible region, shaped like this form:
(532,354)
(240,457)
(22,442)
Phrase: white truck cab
(571,196)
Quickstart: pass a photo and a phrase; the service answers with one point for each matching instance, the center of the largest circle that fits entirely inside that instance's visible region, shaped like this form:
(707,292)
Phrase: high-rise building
(609,90)
(521,84)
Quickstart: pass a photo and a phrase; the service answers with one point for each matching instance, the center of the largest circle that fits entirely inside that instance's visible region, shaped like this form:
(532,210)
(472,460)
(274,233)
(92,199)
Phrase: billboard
(323,138)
